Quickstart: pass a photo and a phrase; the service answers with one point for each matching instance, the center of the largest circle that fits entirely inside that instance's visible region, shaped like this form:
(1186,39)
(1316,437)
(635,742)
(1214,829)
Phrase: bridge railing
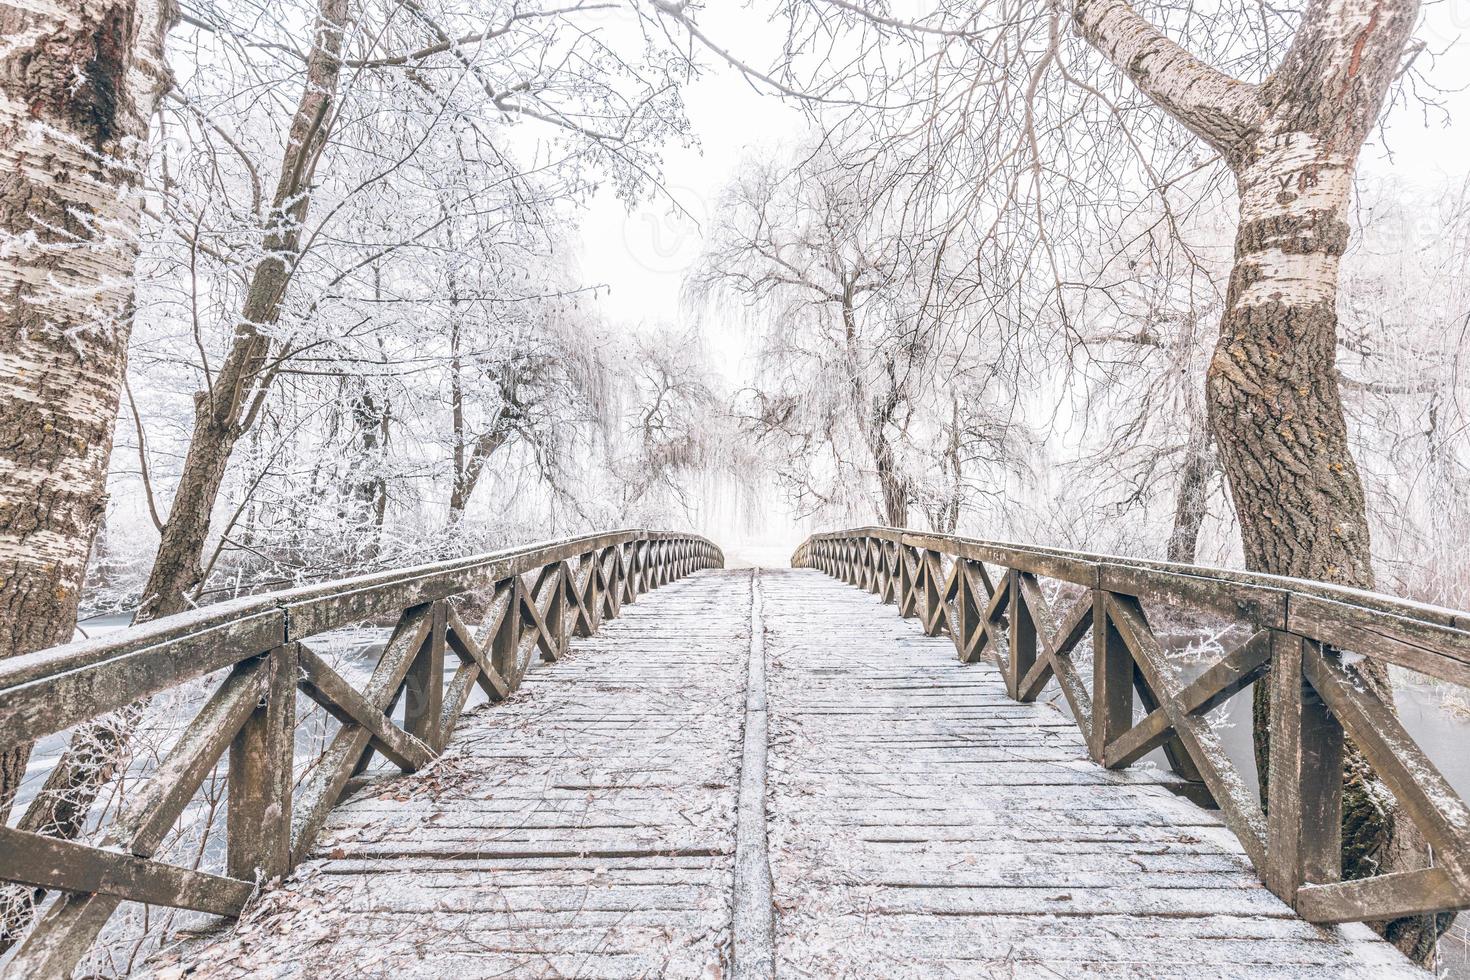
(534,599)
(1300,637)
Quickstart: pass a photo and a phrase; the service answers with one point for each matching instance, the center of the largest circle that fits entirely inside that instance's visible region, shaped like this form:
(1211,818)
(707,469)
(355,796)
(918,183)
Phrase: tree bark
(369,490)
(1272,386)
(1191,498)
(223,413)
(78,86)
(471,455)
(873,417)
(79,83)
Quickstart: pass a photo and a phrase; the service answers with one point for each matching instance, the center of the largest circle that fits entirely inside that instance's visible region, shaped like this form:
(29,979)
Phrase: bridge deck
(921,824)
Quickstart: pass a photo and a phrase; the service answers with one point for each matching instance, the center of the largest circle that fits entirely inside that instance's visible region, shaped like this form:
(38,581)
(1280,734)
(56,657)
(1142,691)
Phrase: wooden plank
(505,641)
(53,690)
(1241,812)
(1022,635)
(49,862)
(1422,792)
(1429,648)
(1304,812)
(424,683)
(1112,681)
(1230,675)
(329,689)
(258,818)
(1387,896)
(1263,608)
(1150,733)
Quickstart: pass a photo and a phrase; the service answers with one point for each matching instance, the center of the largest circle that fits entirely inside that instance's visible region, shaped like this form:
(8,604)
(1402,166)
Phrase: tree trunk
(1191,498)
(895,509)
(872,420)
(225,411)
(369,490)
(78,85)
(1272,386)
(1274,402)
(222,414)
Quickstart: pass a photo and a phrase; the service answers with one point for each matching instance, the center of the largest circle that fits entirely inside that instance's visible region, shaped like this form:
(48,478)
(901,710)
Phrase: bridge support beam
(258,820)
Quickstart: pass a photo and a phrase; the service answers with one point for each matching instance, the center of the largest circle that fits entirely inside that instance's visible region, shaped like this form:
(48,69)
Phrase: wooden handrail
(538,597)
(1298,633)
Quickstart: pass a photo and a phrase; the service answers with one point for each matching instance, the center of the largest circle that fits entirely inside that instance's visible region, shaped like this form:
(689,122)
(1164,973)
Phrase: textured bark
(874,416)
(1191,498)
(223,414)
(78,86)
(471,454)
(370,423)
(1272,386)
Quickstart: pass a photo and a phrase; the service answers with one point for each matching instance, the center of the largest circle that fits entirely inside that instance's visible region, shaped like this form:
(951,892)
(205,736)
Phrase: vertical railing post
(424,683)
(934,620)
(906,584)
(1304,778)
(556,615)
(594,591)
(1022,636)
(612,559)
(889,586)
(505,645)
(258,818)
(1112,679)
(632,581)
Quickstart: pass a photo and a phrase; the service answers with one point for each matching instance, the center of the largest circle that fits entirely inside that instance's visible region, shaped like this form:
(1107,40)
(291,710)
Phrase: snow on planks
(923,824)
(583,828)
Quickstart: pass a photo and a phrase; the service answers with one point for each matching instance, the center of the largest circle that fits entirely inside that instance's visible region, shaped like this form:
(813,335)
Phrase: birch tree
(78,85)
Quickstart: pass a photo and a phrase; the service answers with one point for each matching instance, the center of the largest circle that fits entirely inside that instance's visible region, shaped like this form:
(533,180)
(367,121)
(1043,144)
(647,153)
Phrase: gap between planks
(752,927)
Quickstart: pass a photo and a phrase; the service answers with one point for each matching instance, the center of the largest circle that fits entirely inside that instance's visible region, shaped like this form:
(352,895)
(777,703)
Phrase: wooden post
(1022,636)
(556,615)
(630,571)
(967,610)
(258,818)
(906,597)
(614,582)
(505,645)
(424,684)
(584,595)
(1112,679)
(1304,788)
(934,619)
(883,584)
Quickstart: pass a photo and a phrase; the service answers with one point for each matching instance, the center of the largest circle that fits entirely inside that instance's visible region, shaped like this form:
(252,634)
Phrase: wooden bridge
(757,772)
